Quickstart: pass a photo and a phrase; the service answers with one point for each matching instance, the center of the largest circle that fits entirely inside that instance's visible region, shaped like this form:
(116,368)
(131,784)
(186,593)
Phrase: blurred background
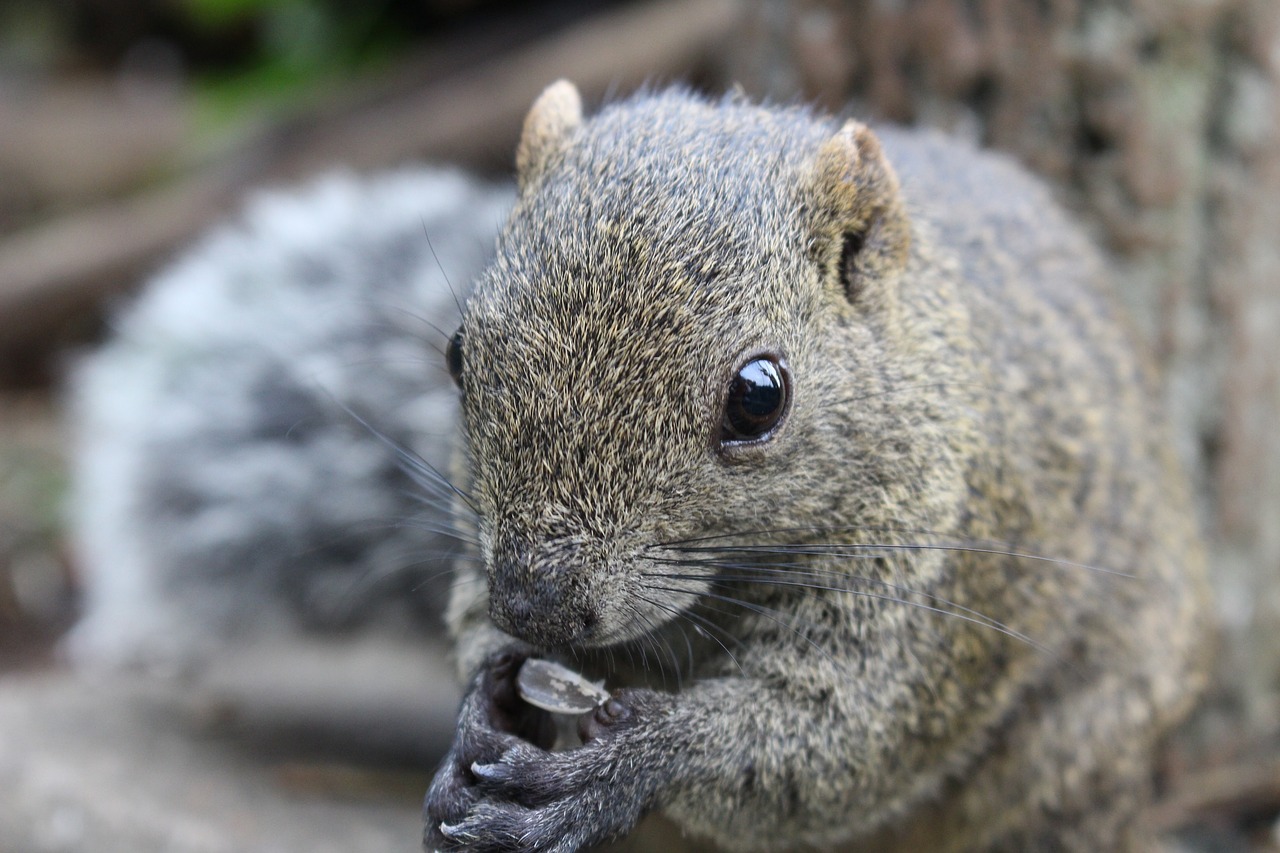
(128,126)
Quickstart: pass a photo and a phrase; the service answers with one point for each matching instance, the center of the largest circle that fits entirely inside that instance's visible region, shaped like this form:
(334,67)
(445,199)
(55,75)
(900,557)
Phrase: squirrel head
(677,301)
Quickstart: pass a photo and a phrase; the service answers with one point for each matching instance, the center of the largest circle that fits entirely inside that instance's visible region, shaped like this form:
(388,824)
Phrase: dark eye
(453,357)
(756,402)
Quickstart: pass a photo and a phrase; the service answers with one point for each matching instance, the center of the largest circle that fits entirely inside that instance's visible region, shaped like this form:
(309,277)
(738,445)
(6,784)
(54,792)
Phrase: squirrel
(826,448)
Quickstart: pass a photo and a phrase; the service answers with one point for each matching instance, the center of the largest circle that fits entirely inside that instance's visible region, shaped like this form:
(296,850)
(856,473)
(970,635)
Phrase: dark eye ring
(453,357)
(756,402)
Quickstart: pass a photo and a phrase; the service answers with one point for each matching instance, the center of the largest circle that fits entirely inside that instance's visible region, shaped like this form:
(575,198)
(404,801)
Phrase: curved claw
(494,772)
(526,776)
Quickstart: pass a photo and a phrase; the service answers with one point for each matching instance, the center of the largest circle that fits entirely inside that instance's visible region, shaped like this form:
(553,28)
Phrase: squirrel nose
(543,615)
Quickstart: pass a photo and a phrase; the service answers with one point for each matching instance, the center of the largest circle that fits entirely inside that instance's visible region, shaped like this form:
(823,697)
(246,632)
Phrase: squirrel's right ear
(551,121)
(860,225)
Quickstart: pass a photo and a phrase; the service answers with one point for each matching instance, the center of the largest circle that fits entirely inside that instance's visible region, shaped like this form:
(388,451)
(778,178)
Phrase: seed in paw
(558,689)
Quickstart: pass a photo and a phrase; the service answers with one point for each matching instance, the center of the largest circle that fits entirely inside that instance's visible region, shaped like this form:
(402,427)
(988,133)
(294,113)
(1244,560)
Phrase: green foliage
(301,48)
(215,13)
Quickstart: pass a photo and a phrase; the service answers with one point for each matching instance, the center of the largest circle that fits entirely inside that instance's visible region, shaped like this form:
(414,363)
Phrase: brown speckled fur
(961,384)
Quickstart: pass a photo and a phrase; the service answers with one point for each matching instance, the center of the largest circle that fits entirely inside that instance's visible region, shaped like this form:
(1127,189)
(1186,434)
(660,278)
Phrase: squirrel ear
(861,227)
(547,128)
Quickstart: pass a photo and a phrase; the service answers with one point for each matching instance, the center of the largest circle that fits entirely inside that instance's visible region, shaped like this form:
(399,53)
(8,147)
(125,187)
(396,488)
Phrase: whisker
(432,527)
(420,318)
(631,657)
(460,580)
(419,469)
(776,570)
(373,578)
(442,573)
(770,612)
(688,646)
(976,618)
(457,302)
(794,617)
(704,626)
(834,550)
(652,638)
(428,477)
(767,612)
(644,655)
(789,570)
(434,496)
(438,502)
(405,521)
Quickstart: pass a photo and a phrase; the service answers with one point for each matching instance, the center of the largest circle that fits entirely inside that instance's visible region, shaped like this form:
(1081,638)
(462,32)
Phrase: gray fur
(964,401)
(222,481)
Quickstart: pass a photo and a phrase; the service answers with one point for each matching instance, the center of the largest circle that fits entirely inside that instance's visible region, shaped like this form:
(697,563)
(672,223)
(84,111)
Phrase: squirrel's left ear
(547,128)
(860,225)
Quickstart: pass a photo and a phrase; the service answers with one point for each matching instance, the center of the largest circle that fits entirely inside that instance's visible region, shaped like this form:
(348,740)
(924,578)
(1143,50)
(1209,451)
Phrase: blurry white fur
(222,482)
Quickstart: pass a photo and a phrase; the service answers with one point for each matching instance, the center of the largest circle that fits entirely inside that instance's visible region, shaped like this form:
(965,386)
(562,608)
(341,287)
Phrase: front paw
(530,799)
(492,720)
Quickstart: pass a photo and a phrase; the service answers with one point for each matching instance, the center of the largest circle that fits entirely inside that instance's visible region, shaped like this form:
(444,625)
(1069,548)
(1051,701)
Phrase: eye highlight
(453,357)
(756,402)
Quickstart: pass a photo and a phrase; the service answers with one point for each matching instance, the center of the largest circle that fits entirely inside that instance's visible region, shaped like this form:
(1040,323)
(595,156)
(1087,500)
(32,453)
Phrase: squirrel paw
(526,798)
(492,720)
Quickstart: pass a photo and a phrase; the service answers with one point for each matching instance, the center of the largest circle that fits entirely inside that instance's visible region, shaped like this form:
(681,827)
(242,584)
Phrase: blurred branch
(54,273)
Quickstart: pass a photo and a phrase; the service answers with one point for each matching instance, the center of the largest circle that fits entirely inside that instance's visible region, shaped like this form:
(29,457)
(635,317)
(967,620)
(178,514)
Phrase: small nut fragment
(552,687)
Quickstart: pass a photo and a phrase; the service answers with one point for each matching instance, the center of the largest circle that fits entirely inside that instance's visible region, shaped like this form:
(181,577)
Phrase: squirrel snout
(543,613)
